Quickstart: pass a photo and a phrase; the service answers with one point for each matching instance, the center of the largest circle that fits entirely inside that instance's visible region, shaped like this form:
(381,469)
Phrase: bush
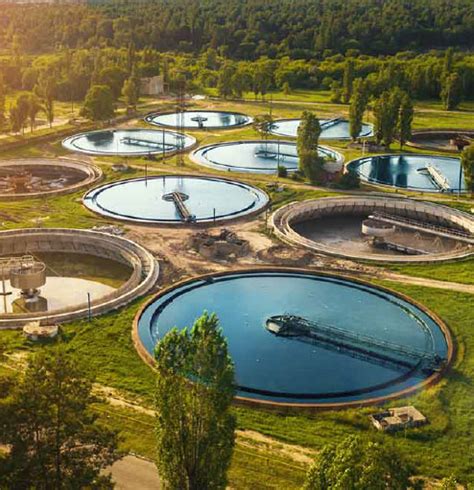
(282,171)
(348,180)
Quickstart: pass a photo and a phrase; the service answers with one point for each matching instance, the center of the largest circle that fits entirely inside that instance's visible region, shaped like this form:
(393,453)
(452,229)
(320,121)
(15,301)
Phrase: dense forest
(243,29)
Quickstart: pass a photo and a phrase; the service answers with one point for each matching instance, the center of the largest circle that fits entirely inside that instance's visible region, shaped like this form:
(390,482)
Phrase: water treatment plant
(129,142)
(199,120)
(293,345)
(258,156)
(170,199)
(430,173)
(331,129)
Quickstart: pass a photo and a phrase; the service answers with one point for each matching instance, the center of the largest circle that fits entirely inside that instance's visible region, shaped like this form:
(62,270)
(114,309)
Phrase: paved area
(132,473)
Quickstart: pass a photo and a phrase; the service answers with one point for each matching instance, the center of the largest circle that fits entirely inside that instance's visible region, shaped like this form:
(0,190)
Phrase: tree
(309,131)
(347,80)
(386,112)
(194,391)
(54,438)
(224,83)
(359,464)
(359,100)
(114,77)
(263,125)
(19,113)
(131,91)
(448,62)
(451,91)
(309,161)
(336,92)
(467,162)
(99,103)
(3,93)
(45,89)
(34,106)
(405,119)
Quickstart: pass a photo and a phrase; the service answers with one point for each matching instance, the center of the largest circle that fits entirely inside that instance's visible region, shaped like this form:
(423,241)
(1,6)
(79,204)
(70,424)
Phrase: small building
(398,418)
(152,85)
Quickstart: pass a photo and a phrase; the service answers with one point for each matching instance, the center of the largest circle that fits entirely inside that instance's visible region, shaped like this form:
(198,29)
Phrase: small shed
(398,418)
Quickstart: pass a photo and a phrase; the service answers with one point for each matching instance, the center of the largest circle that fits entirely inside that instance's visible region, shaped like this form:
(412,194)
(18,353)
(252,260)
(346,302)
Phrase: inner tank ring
(367,133)
(285,218)
(356,165)
(278,405)
(87,174)
(189,142)
(200,156)
(252,209)
(144,267)
(150,119)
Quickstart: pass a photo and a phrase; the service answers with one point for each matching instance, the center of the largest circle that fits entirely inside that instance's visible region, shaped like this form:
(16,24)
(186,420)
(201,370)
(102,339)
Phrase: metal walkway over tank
(178,199)
(413,224)
(360,346)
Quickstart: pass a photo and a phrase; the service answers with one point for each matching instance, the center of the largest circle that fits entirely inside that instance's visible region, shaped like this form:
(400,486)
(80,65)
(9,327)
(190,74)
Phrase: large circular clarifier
(414,172)
(199,119)
(176,199)
(128,142)
(377,345)
(255,156)
(331,129)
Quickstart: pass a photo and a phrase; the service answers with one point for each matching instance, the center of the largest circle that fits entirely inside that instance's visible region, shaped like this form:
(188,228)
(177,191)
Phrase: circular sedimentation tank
(199,119)
(35,177)
(449,140)
(427,173)
(129,142)
(175,200)
(257,156)
(292,343)
(58,275)
(404,230)
(331,129)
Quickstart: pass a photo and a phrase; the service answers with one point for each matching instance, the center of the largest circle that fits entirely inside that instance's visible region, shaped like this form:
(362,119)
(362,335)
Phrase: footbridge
(360,346)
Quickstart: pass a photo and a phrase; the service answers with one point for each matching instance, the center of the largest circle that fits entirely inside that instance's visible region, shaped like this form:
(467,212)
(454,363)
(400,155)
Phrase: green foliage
(347,80)
(310,163)
(282,171)
(357,107)
(34,106)
(53,436)
(114,78)
(131,91)
(359,464)
(451,91)
(336,92)
(263,124)
(194,391)
(3,93)
(309,131)
(224,83)
(348,180)
(19,112)
(386,112)
(99,103)
(467,162)
(46,89)
(405,119)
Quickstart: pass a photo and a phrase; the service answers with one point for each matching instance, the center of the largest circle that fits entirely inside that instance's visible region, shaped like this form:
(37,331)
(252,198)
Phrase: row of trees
(55,440)
(243,29)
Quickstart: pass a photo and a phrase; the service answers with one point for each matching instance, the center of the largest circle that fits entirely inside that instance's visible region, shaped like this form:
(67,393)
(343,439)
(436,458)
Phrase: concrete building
(399,418)
(152,85)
